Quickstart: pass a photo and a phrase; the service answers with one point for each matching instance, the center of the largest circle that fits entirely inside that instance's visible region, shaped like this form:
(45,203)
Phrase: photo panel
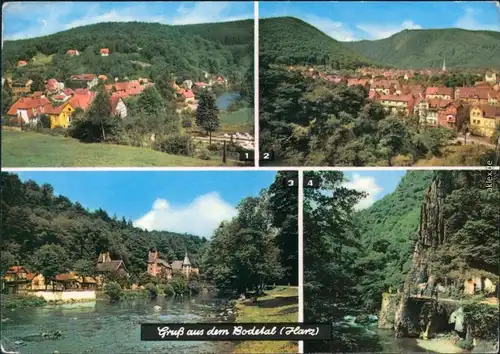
(128,84)
(86,256)
(379,83)
(402,261)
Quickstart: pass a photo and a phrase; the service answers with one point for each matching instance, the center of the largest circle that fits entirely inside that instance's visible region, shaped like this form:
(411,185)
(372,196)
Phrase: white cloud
(334,29)
(364,184)
(469,20)
(201,217)
(49,17)
(384,30)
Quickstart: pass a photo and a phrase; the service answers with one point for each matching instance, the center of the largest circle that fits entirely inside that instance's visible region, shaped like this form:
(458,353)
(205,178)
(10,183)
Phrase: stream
(111,328)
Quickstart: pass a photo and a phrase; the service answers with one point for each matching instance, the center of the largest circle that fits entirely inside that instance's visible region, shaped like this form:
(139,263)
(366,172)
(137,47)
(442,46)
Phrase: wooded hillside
(427,48)
(140,49)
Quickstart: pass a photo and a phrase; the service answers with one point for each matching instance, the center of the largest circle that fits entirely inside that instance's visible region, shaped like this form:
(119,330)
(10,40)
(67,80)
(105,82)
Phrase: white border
(263,168)
(301,252)
(256,81)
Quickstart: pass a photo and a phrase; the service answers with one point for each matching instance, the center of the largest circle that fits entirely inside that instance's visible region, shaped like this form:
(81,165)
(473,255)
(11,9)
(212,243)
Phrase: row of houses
(20,278)
(104,52)
(434,106)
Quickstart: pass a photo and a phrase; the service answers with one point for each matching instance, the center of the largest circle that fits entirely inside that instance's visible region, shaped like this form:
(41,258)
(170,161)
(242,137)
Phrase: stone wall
(66,296)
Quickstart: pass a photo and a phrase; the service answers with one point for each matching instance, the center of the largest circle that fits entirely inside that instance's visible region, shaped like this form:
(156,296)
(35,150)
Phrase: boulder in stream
(157,308)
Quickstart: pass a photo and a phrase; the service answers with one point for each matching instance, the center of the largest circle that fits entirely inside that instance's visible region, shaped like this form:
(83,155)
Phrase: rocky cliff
(430,236)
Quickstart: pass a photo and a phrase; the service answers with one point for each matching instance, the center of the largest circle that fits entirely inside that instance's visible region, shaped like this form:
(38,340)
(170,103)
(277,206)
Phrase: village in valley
(473,111)
(154,94)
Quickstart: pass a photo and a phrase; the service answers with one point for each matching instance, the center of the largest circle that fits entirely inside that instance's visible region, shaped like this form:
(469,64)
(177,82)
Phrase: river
(100,327)
(224,101)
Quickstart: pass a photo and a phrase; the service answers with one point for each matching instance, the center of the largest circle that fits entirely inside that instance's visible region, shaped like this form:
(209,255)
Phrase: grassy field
(238,121)
(279,305)
(41,59)
(458,155)
(30,149)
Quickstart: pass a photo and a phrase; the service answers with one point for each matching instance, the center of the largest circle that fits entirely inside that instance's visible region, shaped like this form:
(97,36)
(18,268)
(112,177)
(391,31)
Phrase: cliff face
(431,235)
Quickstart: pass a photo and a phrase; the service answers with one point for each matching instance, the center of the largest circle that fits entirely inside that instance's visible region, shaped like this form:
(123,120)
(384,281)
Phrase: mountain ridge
(460,48)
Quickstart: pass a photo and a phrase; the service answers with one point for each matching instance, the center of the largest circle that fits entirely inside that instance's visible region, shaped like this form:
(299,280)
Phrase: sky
(351,21)
(33,19)
(193,202)
(377,184)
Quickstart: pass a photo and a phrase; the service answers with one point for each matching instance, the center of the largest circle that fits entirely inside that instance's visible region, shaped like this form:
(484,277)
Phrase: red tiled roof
(66,276)
(439,103)
(82,98)
(406,98)
(200,84)
(83,77)
(17,269)
(68,92)
(22,62)
(50,109)
(28,104)
(104,51)
(489,111)
(439,91)
(52,84)
(188,94)
(472,92)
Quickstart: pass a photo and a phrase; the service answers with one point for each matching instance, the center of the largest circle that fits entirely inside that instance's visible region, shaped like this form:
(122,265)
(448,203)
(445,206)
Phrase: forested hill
(388,230)
(290,41)
(427,48)
(187,50)
(32,216)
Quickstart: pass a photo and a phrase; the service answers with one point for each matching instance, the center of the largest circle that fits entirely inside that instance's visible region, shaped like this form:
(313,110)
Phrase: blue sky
(34,19)
(181,201)
(348,21)
(377,184)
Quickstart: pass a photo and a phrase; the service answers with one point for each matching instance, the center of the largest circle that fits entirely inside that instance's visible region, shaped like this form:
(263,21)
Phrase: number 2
(266,156)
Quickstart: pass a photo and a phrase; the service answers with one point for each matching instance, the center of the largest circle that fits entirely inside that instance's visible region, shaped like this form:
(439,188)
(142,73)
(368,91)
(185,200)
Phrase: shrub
(152,290)
(203,154)
(194,287)
(176,144)
(114,291)
(179,284)
(465,344)
(169,290)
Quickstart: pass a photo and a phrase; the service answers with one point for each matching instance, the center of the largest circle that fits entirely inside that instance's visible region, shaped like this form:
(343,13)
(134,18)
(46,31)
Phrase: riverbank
(280,304)
(21,300)
(439,345)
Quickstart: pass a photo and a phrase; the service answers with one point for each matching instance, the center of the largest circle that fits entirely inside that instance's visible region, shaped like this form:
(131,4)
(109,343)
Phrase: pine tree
(207,114)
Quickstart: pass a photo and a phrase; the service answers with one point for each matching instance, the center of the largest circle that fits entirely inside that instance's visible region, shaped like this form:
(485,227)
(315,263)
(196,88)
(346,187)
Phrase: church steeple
(444,64)
(186,261)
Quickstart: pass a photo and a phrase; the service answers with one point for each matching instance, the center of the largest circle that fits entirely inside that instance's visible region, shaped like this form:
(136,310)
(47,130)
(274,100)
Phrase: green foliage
(152,290)
(179,284)
(113,291)
(207,113)
(50,259)
(18,301)
(185,51)
(465,344)
(85,267)
(290,41)
(264,259)
(52,234)
(420,49)
(7,99)
(8,260)
(176,144)
(481,320)
(388,229)
(169,290)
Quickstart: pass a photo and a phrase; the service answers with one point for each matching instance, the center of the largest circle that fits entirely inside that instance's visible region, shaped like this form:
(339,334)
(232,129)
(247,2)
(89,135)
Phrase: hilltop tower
(444,64)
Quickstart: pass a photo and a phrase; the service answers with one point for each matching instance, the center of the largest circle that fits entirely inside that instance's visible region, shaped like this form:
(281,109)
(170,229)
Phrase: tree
(7,98)
(8,261)
(114,291)
(99,113)
(85,268)
(207,114)
(50,260)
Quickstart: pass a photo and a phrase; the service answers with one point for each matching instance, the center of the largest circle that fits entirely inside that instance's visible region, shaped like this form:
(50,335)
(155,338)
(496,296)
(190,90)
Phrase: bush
(203,154)
(465,344)
(169,290)
(17,301)
(176,144)
(179,284)
(194,287)
(58,131)
(114,291)
(152,290)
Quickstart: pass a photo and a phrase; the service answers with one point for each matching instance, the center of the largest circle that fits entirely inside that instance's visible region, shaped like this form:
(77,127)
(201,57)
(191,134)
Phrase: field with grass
(41,59)
(238,121)
(278,305)
(30,149)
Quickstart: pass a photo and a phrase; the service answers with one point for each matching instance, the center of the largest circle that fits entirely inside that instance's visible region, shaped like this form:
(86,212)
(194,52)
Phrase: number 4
(310,183)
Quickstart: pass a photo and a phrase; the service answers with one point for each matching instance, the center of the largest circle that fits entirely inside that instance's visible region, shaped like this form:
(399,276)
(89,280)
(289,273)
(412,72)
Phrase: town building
(60,116)
(158,267)
(117,107)
(22,63)
(484,119)
(72,52)
(28,109)
(104,52)
(442,93)
(90,80)
(20,88)
(106,266)
(397,104)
